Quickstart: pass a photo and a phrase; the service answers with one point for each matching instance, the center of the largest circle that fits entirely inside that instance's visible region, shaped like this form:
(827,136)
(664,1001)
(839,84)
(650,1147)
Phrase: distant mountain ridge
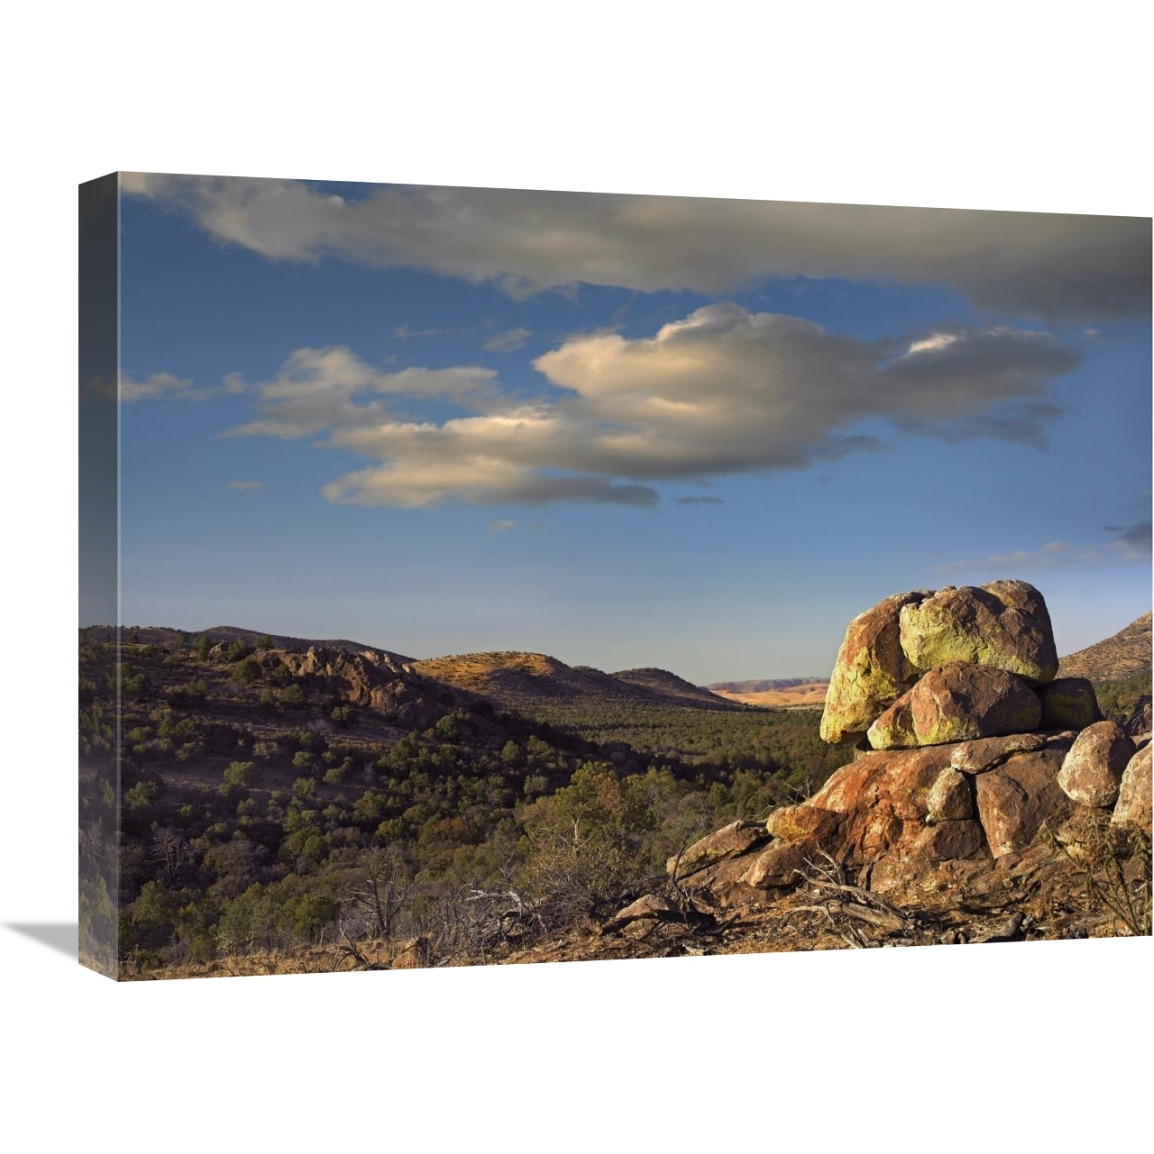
(764,685)
(159,635)
(1125,654)
(518,680)
(669,685)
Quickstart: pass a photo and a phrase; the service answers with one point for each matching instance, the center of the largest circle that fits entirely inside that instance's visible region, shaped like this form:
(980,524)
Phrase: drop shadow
(59,936)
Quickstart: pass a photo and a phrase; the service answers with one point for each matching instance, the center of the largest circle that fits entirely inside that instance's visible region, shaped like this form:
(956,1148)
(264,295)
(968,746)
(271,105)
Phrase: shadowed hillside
(226,634)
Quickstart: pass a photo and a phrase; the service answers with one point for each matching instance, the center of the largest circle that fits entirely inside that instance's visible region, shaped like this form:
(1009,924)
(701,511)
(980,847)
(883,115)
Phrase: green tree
(238,774)
(248,670)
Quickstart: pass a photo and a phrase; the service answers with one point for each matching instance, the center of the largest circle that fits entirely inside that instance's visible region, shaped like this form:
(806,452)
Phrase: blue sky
(622,430)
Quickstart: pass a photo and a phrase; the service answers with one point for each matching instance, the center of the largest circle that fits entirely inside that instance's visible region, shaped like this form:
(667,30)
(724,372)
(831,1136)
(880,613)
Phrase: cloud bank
(720,392)
(1061,267)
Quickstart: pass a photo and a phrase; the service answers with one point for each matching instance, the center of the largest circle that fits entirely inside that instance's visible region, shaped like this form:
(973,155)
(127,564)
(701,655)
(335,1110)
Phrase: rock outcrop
(370,678)
(977,756)
(1002,629)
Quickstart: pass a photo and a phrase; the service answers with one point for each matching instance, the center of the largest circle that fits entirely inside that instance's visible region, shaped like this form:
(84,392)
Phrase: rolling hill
(1124,655)
(524,681)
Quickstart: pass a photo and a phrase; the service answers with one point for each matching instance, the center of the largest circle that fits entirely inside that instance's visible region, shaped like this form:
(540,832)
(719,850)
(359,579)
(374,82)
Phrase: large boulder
(871,670)
(1092,770)
(1017,798)
(1132,810)
(1069,703)
(1004,625)
(957,702)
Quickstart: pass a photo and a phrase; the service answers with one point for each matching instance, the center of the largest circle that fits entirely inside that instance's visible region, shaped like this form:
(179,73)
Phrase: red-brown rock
(986,752)
(951,797)
(1016,798)
(730,841)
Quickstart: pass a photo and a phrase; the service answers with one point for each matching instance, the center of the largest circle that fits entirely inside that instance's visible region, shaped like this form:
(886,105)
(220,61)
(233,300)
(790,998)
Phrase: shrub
(248,670)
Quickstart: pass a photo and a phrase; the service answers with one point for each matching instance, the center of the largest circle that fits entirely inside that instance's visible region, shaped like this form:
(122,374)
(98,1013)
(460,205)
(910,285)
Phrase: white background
(1007,105)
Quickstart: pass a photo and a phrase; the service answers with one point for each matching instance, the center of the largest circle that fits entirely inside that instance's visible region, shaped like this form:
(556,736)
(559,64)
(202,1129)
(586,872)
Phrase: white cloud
(315,390)
(722,391)
(501,526)
(246,486)
(507,342)
(1057,266)
(162,386)
(1130,545)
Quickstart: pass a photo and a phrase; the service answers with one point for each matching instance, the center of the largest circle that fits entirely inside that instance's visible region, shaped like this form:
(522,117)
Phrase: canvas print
(482,576)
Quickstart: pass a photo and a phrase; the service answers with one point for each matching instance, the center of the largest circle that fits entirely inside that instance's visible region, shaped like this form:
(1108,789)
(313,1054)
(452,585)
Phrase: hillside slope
(1125,654)
(798,694)
(528,680)
(226,634)
(668,685)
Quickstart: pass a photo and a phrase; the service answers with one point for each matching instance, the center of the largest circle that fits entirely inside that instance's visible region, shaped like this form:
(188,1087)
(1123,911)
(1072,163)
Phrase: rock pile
(927,668)
(968,750)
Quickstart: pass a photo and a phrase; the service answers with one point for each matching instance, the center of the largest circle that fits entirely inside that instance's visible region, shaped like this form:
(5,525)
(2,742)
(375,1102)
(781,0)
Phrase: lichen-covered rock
(1092,771)
(793,822)
(871,670)
(986,752)
(1016,798)
(736,838)
(951,797)
(1004,625)
(1069,703)
(957,702)
(1132,810)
